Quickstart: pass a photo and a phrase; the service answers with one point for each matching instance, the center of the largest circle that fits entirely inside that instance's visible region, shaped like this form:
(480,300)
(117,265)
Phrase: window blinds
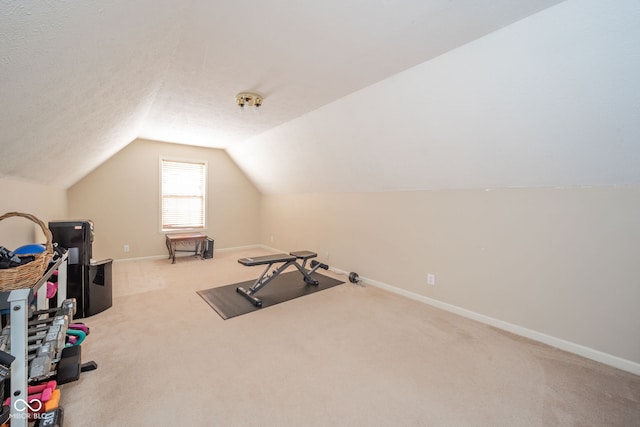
(183,195)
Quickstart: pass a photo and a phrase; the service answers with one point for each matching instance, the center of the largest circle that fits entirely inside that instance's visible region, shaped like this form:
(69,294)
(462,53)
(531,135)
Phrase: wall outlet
(271,239)
(126,248)
(326,255)
(431,279)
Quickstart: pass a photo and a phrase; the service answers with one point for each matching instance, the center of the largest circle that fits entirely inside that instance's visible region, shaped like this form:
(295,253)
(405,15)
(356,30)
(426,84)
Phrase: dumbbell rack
(19,303)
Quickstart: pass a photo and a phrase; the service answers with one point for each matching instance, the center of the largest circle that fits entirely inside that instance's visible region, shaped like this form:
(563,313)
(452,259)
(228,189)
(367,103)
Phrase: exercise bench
(287,261)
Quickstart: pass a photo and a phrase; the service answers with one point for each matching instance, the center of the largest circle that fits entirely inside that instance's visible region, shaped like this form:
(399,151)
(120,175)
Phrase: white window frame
(161,197)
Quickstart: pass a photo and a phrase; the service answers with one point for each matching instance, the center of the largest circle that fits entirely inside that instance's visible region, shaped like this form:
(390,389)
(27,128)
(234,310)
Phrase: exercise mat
(287,286)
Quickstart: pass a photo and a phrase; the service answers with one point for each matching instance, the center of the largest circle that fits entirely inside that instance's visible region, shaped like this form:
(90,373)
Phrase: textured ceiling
(549,101)
(81,80)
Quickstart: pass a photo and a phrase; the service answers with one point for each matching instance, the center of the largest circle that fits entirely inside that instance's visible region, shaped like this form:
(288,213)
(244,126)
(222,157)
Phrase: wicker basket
(25,276)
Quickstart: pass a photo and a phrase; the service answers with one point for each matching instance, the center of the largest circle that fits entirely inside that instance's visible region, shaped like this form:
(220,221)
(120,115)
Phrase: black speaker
(208,250)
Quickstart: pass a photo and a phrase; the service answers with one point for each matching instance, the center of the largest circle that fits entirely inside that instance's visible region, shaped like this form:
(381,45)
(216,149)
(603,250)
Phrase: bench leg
(245,293)
(307,278)
(262,281)
(316,265)
(168,243)
(307,273)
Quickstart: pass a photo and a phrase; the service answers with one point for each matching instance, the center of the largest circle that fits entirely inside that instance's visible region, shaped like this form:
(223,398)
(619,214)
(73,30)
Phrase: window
(183,194)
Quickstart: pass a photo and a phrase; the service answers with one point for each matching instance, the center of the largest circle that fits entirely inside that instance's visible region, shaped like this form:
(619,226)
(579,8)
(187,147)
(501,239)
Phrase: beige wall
(563,262)
(46,203)
(122,195)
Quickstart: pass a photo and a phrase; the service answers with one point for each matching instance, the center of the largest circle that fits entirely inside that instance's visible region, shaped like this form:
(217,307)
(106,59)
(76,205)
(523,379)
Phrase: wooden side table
(198,240)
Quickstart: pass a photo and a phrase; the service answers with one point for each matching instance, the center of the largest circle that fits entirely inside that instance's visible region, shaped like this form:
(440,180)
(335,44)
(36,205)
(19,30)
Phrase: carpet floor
(347,356)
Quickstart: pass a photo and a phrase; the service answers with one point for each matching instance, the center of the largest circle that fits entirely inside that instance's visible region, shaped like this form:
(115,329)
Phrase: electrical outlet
(431,279)
(271,239)
(326,255)
(126,248)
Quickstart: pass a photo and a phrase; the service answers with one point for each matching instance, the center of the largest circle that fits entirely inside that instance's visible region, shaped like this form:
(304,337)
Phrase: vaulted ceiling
(81,80)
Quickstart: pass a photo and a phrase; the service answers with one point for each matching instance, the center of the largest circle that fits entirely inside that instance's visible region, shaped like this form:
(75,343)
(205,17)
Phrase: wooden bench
(198,240)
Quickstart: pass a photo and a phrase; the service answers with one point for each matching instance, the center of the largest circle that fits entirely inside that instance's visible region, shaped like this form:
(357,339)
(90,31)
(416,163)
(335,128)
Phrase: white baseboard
(269,248)
(238,248)
(165,256)
(142,258)
(571,347)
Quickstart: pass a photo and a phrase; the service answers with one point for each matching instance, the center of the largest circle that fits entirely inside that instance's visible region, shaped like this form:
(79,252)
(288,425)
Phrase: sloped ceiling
(81,80)
(550,101)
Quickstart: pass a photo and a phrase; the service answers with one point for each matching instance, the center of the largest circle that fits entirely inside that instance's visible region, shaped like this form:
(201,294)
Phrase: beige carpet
(347,356)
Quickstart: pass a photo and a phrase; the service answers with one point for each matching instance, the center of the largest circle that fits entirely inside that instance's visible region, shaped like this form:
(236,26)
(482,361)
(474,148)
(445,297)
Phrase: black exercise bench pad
(287,286)
(267,259)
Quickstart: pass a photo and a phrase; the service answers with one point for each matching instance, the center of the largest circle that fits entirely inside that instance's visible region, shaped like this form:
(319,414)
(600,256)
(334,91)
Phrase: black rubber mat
(287,286)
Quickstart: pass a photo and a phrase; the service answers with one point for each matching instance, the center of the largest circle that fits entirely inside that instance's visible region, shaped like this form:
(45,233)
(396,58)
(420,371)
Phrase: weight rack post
(19,300)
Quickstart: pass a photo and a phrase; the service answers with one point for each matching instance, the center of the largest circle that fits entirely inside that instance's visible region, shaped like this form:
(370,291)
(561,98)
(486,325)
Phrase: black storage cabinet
(88,281)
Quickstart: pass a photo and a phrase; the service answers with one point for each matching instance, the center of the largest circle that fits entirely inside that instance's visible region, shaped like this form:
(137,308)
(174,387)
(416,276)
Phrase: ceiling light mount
(248,99)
